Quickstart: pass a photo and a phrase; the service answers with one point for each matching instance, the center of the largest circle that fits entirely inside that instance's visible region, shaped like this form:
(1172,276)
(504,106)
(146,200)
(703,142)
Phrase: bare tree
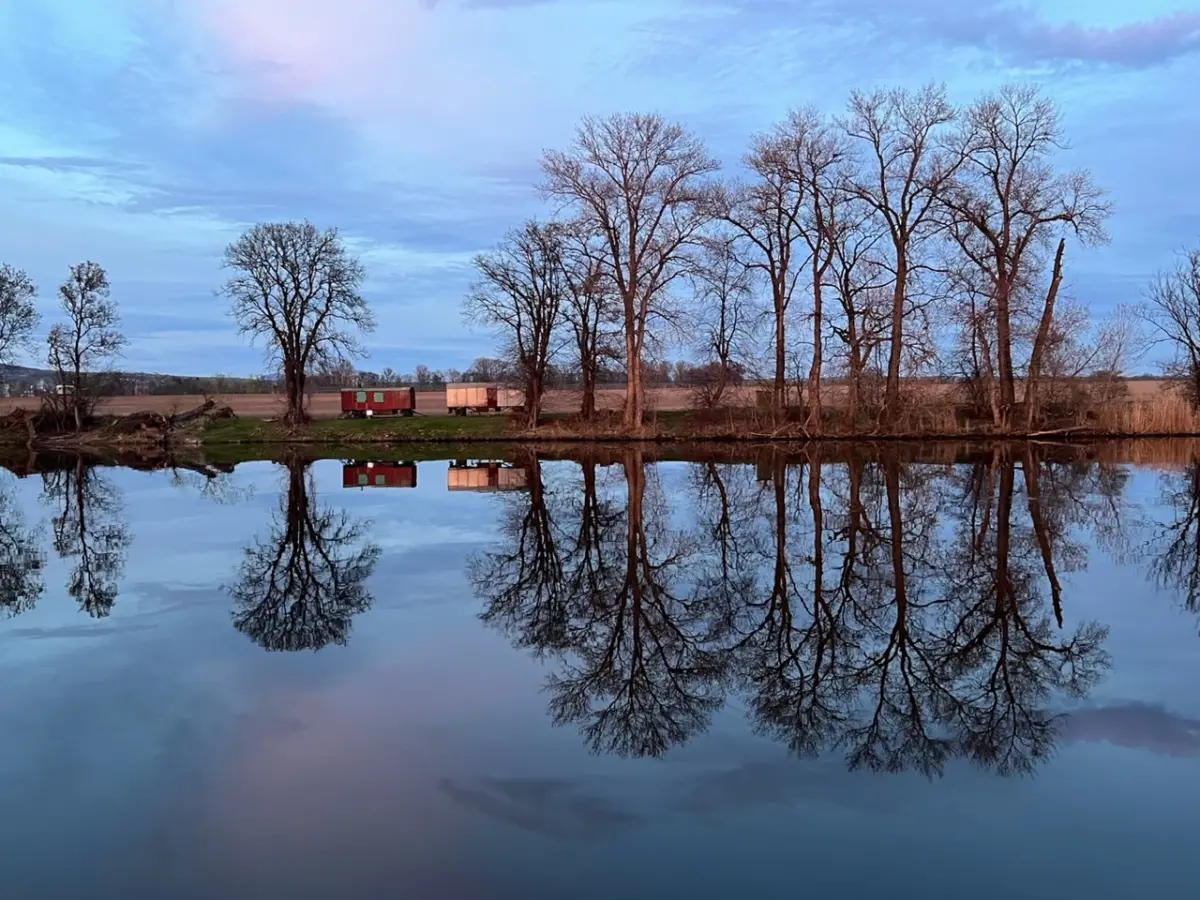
(18,313)
(298,288)
(300,586)
(904,172)
(1009,205)
(859,281)
(825,154)
(767,214)
(1172,316)
(723,287)
(521,292)
(88,340)
(591,310)
(641,182)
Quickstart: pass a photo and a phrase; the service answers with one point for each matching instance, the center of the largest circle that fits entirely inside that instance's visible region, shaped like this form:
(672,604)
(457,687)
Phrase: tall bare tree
(521,291)
(298,288)
(904,171)
(642,183)
(1009,206)
(1172,313)
(18,312)
(88,340)
(768,215)
(723,288)
(591,310)
(859,281)
(825,154)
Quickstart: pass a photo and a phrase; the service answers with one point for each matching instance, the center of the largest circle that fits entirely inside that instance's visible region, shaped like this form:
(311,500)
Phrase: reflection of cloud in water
(549,806)
(786,782)
(567,808)
(1137,726)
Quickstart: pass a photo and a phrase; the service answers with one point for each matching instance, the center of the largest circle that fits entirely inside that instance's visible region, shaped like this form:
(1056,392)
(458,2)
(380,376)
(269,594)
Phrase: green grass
(384,430)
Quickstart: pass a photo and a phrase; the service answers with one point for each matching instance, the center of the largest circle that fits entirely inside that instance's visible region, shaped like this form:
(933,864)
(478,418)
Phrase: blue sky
(147,134)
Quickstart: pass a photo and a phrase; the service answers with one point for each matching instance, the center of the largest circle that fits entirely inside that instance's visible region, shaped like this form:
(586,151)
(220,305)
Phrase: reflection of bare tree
(1009,658)
(904,614)
(528,574)
(87,527)
(1175,564)
(21,559)
(300,587)
(635,674)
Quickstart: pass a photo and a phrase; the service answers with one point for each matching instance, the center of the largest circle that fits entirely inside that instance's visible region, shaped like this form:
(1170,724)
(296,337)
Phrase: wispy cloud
(145,133)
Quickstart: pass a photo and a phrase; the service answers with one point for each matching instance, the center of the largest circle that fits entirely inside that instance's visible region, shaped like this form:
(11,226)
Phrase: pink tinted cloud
(367,59)
(1135,44)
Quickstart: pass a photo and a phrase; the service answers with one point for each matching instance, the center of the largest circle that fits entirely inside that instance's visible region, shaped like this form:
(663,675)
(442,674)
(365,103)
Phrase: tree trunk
(779,395)
(588,406)
(891,396)
(1008,393)
(814,372)
(631,416)
(1043,337)
(533,401)
(294,389)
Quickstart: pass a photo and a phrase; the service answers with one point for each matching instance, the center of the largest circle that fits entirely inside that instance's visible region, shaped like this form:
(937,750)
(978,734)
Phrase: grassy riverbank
(1164,417)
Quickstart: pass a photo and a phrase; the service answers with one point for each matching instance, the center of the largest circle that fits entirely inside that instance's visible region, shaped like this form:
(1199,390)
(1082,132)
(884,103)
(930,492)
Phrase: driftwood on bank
(38,427)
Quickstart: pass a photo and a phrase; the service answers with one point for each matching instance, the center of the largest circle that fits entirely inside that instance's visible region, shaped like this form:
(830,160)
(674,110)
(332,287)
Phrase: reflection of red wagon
(486,476)
(378,402)
(379,474)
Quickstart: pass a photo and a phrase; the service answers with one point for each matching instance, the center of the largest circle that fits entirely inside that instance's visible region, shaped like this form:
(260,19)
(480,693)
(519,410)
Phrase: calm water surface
(804,675)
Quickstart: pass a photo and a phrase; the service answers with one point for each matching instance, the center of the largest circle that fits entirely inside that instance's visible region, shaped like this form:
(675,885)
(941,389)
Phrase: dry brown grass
(1162,414)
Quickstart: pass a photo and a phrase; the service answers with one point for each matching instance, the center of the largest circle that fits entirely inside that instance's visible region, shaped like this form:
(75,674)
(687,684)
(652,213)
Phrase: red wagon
(360,402)
(358,474)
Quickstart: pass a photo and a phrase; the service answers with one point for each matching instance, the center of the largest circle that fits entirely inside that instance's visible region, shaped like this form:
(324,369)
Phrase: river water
(931,672)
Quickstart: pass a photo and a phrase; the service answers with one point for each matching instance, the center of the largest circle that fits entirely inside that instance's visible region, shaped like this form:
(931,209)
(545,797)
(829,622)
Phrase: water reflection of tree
(635,673)
(905,614)
(300,586)
(21,559)
(88,527)
(1175,554)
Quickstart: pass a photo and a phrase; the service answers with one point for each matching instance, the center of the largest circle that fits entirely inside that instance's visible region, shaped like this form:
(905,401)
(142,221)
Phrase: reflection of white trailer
(486,476)
(482,397)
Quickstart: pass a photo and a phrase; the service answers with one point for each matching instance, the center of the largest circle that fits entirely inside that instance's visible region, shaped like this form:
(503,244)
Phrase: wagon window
(360,397)
(362,479)
(379,396)
(380,479)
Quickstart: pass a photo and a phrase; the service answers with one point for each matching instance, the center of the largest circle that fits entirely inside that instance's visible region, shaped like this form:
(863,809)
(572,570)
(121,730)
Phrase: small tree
(1172,314)
(18,315)
(521,292)
(298,288)
(88,340)
(723,288)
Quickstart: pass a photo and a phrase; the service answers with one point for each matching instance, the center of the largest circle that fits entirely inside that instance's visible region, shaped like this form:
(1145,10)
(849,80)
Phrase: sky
(146,135)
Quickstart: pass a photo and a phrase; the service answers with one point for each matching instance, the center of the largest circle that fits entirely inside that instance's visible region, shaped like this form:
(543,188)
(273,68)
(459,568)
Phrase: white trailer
(467,397)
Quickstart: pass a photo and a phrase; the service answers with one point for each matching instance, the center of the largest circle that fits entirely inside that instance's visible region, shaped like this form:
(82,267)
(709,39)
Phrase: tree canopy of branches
(87,340)
(18,312)
(300,587)
(297,288)
(1172,311)
(88,526)
(641,183)
(521,292)
(913,238)
(1008,206)
(901,177)
(21,559)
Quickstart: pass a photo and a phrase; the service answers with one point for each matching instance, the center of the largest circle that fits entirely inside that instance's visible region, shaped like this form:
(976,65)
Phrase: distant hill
(18,380)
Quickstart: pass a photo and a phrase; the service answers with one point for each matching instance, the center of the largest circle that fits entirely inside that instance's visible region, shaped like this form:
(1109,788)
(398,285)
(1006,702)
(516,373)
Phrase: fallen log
(202,410)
